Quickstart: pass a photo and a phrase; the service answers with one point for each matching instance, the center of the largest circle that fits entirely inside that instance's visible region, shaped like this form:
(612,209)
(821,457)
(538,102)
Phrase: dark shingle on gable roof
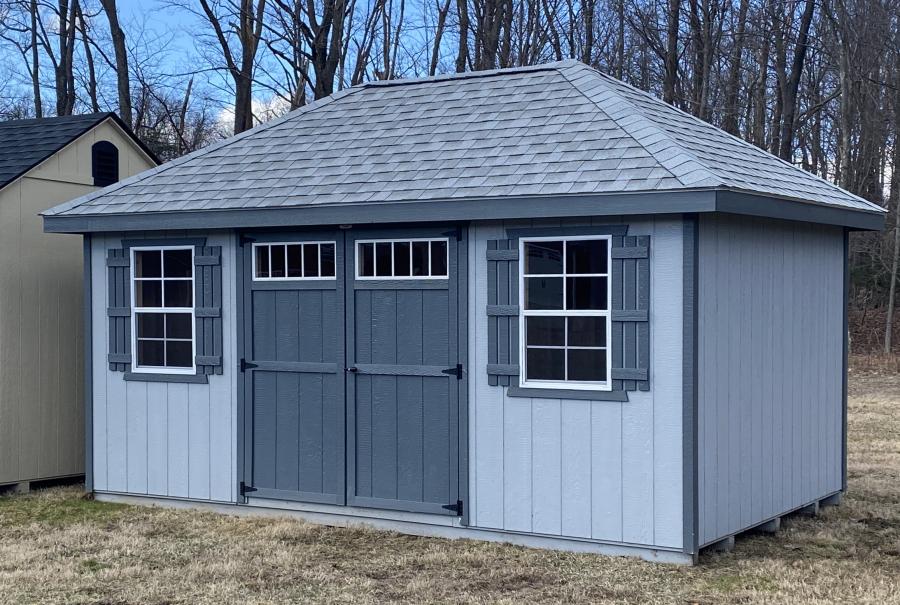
(26,143)
(551,130)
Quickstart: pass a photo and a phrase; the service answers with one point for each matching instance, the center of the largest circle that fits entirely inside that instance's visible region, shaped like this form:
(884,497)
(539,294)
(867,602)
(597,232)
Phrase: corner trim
(88,368)
(183,378)
(845,360)
(516,391)
(690,398)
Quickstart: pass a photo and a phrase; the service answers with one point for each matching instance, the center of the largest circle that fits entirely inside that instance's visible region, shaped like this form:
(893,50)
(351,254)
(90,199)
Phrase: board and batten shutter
(118,266)
(630,312)
(208,308)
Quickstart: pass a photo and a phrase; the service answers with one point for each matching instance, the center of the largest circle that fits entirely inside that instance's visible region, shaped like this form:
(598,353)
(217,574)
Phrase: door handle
(353,369)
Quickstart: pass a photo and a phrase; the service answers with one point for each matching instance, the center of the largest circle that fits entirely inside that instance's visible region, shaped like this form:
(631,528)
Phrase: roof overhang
(613,204)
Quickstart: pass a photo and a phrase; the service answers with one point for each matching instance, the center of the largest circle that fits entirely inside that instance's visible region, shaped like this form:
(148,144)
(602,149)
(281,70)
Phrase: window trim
(135,310)
(524,383)
(393,240)
(293,243)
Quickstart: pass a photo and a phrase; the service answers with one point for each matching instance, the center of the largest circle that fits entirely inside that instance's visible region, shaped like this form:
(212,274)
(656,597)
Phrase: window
(291,261)
(401,259)
(163,317)
(104,163)
(565,320)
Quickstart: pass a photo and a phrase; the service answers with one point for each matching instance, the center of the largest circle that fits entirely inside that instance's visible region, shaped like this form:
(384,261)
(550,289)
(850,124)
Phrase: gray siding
(599,470)
(770,368)
(164,439)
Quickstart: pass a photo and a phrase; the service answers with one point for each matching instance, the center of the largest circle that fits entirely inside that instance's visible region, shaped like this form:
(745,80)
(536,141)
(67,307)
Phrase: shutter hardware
(246,365)
(456,508)
(457,371)
(246,489)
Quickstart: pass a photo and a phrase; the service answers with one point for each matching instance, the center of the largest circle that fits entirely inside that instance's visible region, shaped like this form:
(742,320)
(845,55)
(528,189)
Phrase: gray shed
(532,305)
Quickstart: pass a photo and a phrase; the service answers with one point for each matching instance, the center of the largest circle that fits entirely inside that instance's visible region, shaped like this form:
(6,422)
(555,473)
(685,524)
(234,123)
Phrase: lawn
(58,547)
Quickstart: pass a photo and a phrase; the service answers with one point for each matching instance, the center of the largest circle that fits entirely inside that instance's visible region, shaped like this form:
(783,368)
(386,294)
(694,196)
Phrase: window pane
(366,260)
(586,256)
(294,260)
(439,259)
(150,325)
(178,325)
(586,293)
(543,257)
(150,353)
(545,364)
(262,261)
(401,259)
(587,331)
(278,269)
(420,258)
(178,293)
(147,263)
(587,364)
(310,260)
(543,293)
(148,293)
(178,354)
(547,331)
(177,263)
(327,252)
(383,259)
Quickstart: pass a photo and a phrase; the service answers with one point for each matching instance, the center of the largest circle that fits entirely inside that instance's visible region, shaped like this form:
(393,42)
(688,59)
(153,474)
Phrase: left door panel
(294,366)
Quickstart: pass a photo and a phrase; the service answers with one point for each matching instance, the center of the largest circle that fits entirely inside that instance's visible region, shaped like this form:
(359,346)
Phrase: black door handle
(353,369)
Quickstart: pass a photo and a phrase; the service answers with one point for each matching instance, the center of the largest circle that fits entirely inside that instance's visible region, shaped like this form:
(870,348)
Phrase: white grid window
(402,259)
(162,288)
(565,321)
(293,261)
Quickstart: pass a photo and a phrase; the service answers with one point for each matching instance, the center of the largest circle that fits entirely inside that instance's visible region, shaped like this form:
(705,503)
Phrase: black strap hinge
(246,489)
(456,508)
(457,371)
(246,365)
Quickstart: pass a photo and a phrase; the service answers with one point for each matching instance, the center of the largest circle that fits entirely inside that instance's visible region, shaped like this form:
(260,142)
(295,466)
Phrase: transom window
(401,259)
(291,261)
(163,318)
(565,320)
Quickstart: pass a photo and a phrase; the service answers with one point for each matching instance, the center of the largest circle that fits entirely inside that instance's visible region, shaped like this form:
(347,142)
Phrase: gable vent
(105,163)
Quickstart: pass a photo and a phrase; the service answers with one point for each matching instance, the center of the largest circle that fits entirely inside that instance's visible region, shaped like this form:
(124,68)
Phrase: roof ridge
(739,140)
(317,104)
(468,75)
(640,135)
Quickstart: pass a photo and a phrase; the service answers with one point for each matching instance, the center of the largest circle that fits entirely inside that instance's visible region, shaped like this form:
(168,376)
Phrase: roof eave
(613,204)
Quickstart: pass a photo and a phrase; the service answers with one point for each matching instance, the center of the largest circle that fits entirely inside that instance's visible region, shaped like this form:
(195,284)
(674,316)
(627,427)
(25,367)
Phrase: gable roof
(561,131)
(26,143)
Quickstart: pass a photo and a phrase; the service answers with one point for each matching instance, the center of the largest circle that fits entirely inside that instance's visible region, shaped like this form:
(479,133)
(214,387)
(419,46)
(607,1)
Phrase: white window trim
(402,240)
(302,278)
(135,311)
(565,384)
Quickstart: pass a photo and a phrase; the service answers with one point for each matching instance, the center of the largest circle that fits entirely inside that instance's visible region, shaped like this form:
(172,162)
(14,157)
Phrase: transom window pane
(307,260)
(565,315)
(164,309)
(402,259)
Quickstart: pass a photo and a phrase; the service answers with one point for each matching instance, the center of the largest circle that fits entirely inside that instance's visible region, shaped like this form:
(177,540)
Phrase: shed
(532,305)
(44,162)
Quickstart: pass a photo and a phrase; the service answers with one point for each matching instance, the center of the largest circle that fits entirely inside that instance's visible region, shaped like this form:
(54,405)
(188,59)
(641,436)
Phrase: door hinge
(457,371)
(246,365)
(246,489)
(456,508)
(246,239)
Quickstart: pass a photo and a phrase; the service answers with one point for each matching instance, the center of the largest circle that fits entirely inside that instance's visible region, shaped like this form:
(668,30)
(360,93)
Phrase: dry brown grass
(56,547)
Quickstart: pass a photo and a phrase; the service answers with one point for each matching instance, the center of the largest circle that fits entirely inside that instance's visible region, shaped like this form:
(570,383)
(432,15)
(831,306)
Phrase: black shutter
(503,310)
(208,308)
(118,263)
(631,313)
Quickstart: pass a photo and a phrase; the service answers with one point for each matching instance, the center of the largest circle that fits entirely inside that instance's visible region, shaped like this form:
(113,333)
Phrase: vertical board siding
(600,470)
(770,367)
(163,439)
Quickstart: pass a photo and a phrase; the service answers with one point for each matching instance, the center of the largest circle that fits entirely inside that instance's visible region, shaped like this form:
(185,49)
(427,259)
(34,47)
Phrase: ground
(58,547)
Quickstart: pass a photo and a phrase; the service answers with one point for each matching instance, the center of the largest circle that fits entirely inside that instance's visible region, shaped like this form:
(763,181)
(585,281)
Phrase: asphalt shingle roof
(26,143)
(557,129)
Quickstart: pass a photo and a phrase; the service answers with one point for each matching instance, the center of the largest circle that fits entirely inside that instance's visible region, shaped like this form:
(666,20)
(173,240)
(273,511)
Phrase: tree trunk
(671,62)
(789,100)
(89,60)
(462,53)
(438,36)
(730,121)
(35,61)
(123,81)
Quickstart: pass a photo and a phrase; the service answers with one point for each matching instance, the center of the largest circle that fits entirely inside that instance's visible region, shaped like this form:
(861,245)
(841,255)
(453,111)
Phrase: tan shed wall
(41,327)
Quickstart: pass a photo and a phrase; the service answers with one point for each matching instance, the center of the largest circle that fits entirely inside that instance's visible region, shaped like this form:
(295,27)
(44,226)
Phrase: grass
(58,547)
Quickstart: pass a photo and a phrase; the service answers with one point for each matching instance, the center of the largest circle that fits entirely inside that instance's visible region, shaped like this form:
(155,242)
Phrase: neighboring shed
(44,162)
(534,305)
